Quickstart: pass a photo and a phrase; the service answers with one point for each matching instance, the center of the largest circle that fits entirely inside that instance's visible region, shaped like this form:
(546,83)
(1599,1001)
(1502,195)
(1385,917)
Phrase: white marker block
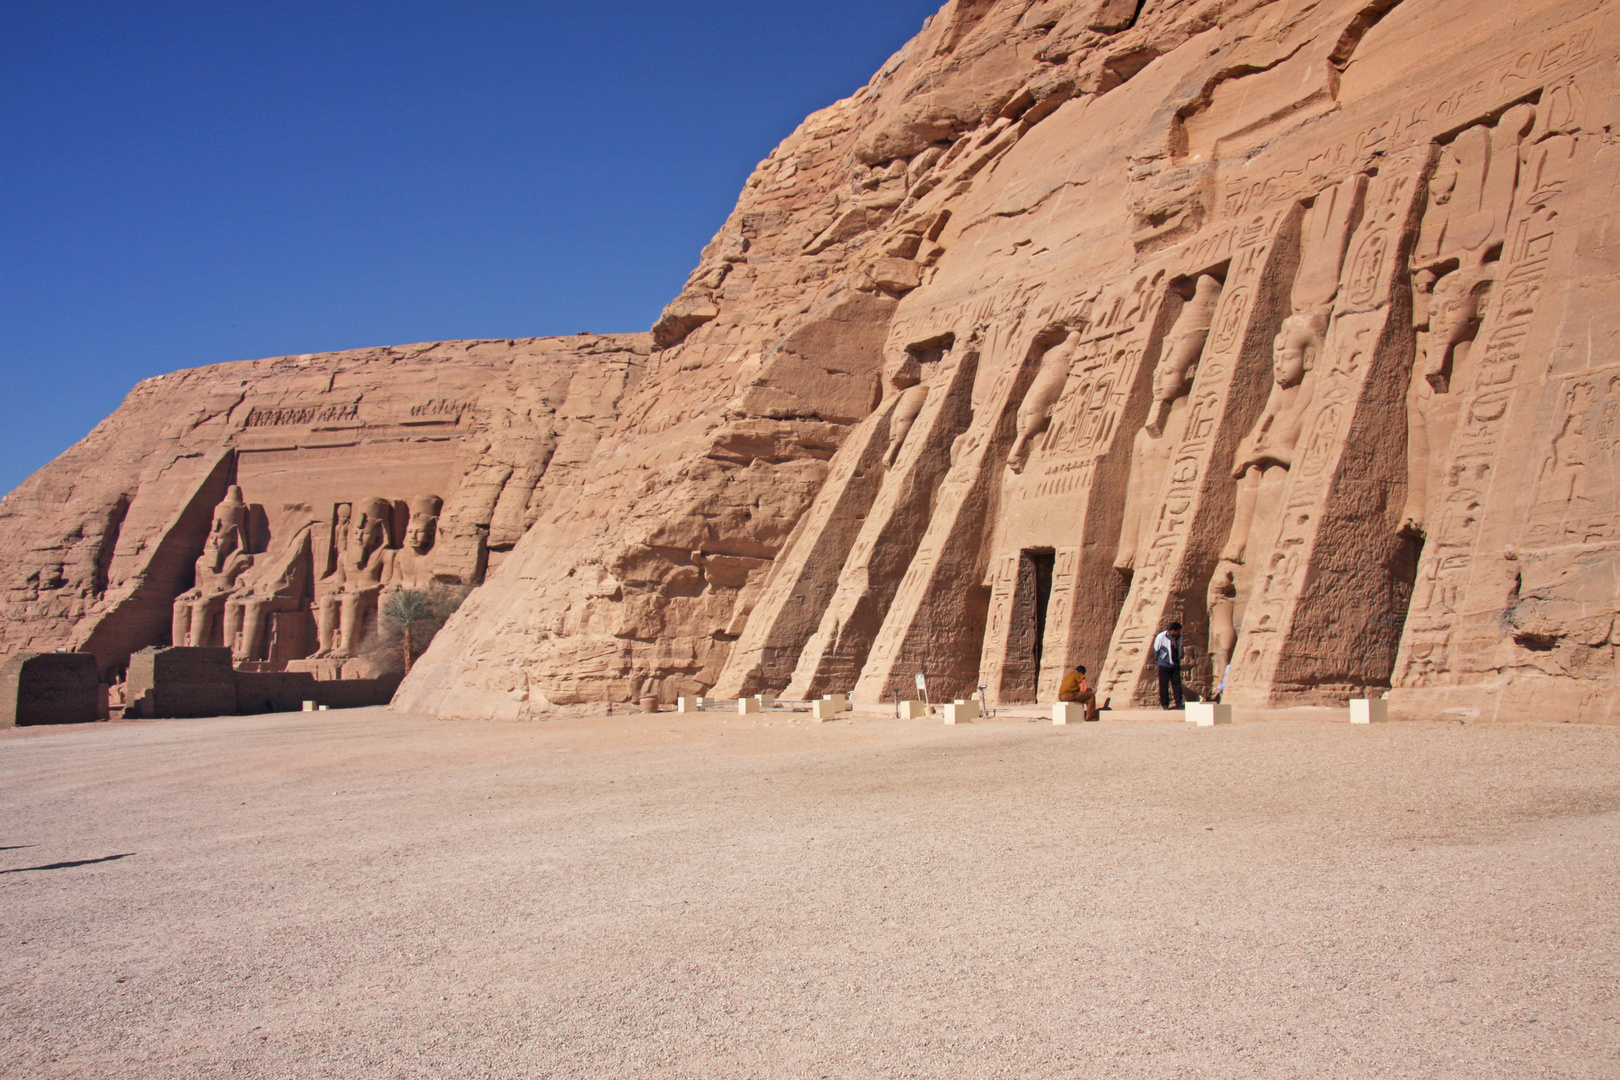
(1368,710)
(913,710)
(1068,712)
(826,709)
(961,713)
(747,706)
(972,705)
(323,708)
(309,706)
(1208,714)
(765,700)
(841,701)
(688,704)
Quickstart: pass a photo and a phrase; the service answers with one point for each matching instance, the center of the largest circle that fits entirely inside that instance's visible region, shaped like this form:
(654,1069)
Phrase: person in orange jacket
(1076,688)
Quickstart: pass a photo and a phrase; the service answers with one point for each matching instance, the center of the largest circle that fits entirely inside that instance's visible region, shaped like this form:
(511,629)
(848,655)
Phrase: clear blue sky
(186,183)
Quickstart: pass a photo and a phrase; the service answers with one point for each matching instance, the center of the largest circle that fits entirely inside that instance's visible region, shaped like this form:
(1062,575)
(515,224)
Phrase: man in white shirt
(1167,655)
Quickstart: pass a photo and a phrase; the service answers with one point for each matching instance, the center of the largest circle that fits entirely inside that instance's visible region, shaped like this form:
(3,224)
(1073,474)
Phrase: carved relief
(1158,440)
(1263,461)
(198,610)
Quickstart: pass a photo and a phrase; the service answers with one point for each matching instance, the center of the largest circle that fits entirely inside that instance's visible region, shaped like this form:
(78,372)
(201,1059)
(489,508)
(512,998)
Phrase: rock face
(267,506)
(1292,322)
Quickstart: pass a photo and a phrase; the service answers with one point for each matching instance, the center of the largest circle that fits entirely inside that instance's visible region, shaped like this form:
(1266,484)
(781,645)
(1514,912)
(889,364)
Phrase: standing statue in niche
(412,565)
(224,559)
(279,582)
(346,598)
(1035,412)
(1454,267)
(1265,457)
(1166,424)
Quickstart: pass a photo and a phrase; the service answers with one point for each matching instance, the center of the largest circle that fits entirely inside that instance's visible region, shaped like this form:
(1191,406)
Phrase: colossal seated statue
(346,599)
(223,561)
(279,582)
(411,567)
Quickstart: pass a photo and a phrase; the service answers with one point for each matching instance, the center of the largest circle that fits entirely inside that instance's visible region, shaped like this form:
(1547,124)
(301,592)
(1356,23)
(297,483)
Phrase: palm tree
(408,609)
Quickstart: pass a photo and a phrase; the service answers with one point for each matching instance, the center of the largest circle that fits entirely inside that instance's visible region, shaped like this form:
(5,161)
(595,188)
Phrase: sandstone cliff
(1288,321)
(100,543)
(1293,322)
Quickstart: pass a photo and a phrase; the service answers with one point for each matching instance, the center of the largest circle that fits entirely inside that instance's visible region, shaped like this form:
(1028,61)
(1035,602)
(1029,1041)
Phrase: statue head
(1453,319)
(424,523)
(1297,346)
(370,523)
(230,521)
(1173,374)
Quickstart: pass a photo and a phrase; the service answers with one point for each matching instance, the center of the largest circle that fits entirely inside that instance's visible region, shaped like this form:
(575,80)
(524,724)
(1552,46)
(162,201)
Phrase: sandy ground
(360,894)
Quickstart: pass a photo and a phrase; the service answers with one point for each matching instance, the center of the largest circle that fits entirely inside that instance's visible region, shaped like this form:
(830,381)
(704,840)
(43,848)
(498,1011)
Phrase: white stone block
(323,708)
(1208,713)
(688,704)
(841,701)
(962,712)
(765,700)
(1068,712)
(747,706)
(309,706)
(826,708)
(913,710)
(1368,710)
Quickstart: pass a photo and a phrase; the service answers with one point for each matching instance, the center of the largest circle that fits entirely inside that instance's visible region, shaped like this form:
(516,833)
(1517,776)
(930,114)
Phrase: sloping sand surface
(361,894)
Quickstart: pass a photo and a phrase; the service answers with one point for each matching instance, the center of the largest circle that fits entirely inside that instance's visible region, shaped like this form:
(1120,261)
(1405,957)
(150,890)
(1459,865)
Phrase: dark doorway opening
(1026,637)
(1040,563)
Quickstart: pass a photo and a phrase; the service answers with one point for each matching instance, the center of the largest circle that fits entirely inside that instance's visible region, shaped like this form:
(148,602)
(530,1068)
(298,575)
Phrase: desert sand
(363,894)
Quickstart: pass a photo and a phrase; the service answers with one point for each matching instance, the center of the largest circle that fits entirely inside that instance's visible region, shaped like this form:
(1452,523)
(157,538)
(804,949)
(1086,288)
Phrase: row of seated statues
(337,569)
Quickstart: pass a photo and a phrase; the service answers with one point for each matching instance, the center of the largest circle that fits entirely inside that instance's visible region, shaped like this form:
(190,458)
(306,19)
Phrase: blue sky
(187,183)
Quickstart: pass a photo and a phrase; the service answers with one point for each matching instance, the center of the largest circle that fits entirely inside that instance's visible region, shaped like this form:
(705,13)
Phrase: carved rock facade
(1294,322)
(269,506)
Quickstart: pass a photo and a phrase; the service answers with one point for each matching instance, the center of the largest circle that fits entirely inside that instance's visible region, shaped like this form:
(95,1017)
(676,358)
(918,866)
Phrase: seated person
(1075,688)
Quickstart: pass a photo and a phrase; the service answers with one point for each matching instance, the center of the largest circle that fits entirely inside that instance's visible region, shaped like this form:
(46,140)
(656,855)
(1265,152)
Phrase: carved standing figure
(1035,412)
(1158,438)
(1454,269)
(347,597)
(224,559)
(1265,457)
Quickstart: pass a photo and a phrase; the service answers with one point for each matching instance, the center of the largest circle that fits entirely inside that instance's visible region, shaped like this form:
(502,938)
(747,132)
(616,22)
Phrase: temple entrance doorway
(1027,634)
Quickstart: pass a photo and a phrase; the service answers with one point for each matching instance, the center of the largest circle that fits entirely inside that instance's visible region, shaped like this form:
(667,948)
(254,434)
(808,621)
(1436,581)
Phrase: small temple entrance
(1027,634)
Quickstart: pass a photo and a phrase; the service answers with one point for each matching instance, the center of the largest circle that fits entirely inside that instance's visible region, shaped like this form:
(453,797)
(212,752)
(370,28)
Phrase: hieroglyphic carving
(832,657)
(1315,612)
(1158,439)
(1057,496)
(1544,168)
(1263,462)
(930,625)
(804,575)
(1179,538)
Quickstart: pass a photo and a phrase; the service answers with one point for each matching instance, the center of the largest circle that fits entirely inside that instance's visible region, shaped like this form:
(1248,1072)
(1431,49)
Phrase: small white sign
(922,683)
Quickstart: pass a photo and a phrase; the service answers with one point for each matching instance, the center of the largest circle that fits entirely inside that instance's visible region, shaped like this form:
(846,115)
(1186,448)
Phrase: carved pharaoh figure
(1263,460)
(224,560)
(279,582)
(1166,424)
(1035,411)
(346,598)
(1454,269)
(412,565)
